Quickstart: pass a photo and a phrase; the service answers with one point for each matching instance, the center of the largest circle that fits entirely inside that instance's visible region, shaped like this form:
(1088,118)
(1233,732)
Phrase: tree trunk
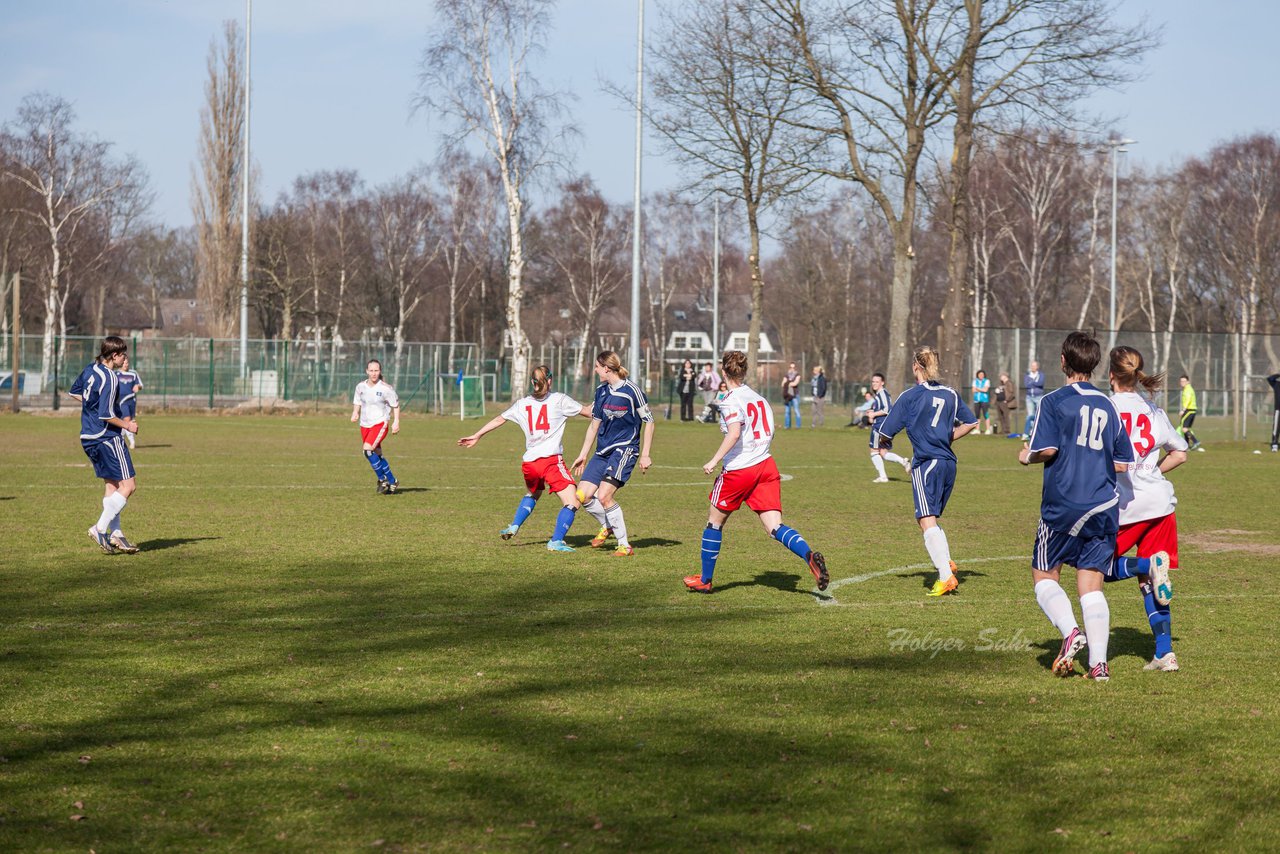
(900,303)
(757,294)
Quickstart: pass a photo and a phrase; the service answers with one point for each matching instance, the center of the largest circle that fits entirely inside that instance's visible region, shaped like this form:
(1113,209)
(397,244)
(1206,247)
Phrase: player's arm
(585,412)
(963,430)
(646,442)
(395,418)
(730,439)
(587,441)
(1029,457)
(494,424)
(106,411)
(355,413)
(1172,460)
(966,421)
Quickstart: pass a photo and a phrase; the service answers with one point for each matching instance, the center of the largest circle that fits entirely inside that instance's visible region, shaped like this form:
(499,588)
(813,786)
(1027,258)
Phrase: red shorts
(373,436)
(1150,536)
(760,486)
(546,470)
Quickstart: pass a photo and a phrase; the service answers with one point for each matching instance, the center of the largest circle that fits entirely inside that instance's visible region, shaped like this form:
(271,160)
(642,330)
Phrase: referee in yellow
(1188,415)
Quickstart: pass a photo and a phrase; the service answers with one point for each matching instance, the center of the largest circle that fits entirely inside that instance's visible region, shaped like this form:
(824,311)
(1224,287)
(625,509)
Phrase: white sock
(935,543)
(1056,606)
(111,507)
(614,515)
(1097,625)
(878,463)
(114,527)
(893,458)
(596,509)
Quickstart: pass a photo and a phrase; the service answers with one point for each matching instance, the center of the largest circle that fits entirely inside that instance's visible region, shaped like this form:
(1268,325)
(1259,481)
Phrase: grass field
(295,663)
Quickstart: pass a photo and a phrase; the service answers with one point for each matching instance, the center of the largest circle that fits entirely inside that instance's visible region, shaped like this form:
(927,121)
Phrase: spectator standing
(1033,387)
(1006,402)
(818,385)
(791,396)
(982,399)
(708,382)
(1274,382)
(686,384)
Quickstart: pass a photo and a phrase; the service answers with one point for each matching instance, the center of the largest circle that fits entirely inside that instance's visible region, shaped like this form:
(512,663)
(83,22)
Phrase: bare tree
(469,212)
(725,116)
(68,177)
(475,70)
(216,180)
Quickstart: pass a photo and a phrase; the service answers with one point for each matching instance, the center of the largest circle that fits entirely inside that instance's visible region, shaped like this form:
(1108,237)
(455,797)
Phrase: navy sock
(523,511)
(564,522)
(1129,567)
(374,463)
(791,538)
(711,540)
(386,471)
(1158,617)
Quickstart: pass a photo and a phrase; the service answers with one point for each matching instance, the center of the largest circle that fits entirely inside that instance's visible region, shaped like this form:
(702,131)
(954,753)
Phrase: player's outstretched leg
(890,456)
(1053,600)
(564,521)
(935,543)
(1161,627)
(615,523)
(523,509)
(791,538)
(712,537)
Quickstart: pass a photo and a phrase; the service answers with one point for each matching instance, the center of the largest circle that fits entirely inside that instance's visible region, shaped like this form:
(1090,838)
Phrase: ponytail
(927,358)
(541,381)
(1126,368)
(609,359)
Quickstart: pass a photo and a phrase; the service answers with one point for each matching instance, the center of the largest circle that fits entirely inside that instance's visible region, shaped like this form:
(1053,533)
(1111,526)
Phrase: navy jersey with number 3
(1080,495)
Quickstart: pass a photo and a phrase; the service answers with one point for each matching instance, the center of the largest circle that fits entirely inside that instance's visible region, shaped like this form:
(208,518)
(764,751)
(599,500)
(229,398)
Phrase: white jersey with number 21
(743,406)
(1144,492)
(543,423)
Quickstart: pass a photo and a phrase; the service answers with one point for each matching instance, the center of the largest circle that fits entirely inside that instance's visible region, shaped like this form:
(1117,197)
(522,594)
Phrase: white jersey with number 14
(543,423)
(1144,492)
(743,406)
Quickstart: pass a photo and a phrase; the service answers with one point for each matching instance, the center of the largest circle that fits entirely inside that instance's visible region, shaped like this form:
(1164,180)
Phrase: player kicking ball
(1080,439)
(541,416)
(377,408)
(749,476)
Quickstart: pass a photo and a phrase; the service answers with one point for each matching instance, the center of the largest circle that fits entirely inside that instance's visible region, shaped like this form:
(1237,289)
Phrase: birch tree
(476,72)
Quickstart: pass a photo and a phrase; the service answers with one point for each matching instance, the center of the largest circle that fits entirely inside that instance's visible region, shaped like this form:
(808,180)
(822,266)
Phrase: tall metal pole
(244,206)
(715,283)
(1116,150)
(15,327)
(633,362)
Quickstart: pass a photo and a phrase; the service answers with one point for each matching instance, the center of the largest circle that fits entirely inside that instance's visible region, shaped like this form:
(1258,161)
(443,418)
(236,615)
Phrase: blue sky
(334,80)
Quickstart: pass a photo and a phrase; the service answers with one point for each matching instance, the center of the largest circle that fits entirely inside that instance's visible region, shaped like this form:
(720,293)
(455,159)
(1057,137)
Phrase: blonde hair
(734,364)
(927,358)
(1126,367)
(541,380)
(609,359)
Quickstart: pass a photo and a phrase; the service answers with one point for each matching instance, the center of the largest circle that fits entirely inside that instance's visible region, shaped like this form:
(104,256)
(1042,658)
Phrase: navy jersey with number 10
(1082,424)
(929,411)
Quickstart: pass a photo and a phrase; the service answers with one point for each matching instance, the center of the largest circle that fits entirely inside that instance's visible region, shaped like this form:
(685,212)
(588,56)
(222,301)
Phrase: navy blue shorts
(931,482)
(1054,548)
(110,458)
(875,441)
(614,467)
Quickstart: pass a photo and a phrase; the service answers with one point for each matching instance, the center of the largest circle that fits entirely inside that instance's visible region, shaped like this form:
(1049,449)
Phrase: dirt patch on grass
(1231,540)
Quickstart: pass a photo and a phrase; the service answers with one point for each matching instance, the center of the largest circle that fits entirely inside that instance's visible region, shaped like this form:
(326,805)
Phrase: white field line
(635,481)
(828,598)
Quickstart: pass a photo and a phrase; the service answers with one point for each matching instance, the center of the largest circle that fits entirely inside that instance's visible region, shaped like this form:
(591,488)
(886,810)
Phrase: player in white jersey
(541,416)
(749,476)
(1147,502)
(377,408)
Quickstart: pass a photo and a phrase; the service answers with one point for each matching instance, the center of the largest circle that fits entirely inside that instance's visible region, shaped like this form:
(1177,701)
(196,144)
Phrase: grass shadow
(169,543)
(141,447)
(787,582)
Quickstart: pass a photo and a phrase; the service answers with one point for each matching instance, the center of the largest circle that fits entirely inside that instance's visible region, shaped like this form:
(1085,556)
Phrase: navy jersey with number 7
(930,412)
(1080,496)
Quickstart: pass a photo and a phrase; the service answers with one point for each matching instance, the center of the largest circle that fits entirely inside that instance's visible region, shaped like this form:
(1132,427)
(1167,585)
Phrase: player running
(130,384)
(1187,416)
(377,408)
(101,422)
(934,416)
(1079,437)
(882,447)
(619,415)
(1147,501)
(750,475)
(542,416)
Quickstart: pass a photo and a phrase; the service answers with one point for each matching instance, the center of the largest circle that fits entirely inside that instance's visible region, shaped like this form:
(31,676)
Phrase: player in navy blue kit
(130,385)
(881,447)
(934,416)
(622,429)
(101,421)
(1079,437)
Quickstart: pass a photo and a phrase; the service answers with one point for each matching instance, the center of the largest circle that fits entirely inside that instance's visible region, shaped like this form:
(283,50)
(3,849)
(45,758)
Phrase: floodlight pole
(715,281)
(244,206)
(1116,149)
(633,360)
